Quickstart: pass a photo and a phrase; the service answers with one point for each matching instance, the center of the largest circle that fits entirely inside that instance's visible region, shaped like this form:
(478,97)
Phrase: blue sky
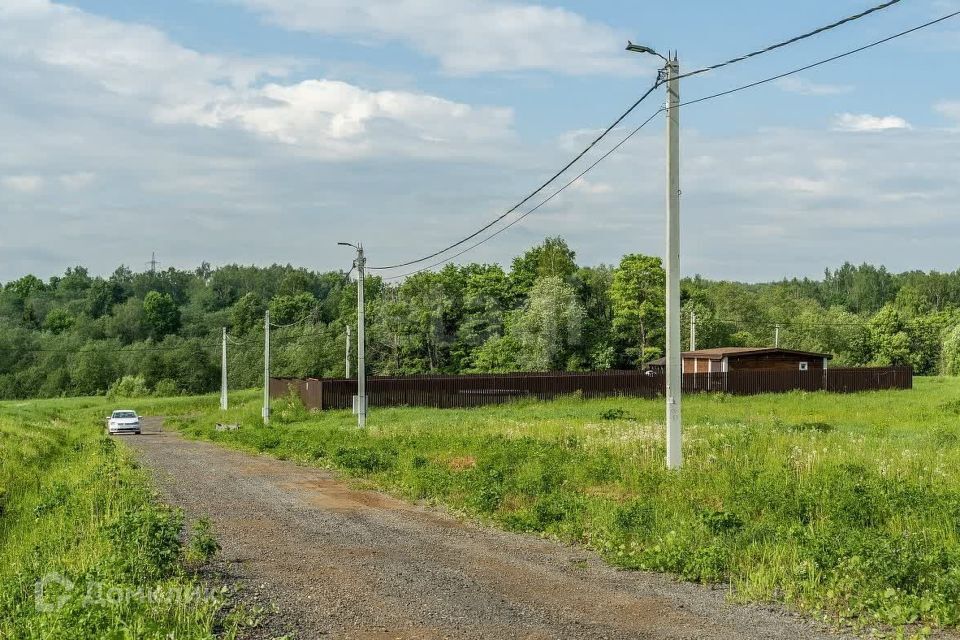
(266,130)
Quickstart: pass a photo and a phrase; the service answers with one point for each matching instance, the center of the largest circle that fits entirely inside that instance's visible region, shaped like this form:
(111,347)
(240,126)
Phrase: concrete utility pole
(361,343)
(776,336)
(266,367)
(674,379)
(672,262)
(360,400)
(693,330)
(223,371)
(346,359)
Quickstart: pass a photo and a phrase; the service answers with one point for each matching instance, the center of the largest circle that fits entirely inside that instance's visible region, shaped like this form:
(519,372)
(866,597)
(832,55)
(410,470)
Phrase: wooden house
(723,359)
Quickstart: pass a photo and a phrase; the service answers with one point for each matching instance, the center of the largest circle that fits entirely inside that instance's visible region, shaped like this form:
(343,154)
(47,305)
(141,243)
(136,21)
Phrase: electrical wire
(793,40)
(821,62)
(540,204)
(531,195)
(690,102)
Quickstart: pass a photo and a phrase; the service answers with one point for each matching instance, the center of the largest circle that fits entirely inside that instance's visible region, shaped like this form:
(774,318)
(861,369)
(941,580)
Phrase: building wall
(781,361)
(699,365)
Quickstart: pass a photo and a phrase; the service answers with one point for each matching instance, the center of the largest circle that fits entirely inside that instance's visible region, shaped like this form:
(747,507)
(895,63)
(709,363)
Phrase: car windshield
(124,414)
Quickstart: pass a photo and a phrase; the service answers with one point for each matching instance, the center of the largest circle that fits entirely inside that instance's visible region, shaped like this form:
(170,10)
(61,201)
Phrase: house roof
(719,353)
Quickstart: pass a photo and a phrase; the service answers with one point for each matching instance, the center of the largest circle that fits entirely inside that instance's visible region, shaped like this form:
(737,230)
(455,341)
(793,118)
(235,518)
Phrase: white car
(123,421)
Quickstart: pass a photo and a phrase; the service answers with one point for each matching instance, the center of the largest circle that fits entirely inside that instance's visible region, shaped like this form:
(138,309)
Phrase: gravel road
(335,562)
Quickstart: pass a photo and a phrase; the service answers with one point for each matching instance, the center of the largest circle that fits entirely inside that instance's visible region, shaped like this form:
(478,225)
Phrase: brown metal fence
(448,391)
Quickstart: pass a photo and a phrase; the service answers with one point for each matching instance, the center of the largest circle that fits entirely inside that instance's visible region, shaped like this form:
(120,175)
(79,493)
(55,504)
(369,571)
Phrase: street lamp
(360,400)
(670,76)
(639,48)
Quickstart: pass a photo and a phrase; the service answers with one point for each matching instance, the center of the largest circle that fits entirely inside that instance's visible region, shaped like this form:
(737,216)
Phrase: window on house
(804,366)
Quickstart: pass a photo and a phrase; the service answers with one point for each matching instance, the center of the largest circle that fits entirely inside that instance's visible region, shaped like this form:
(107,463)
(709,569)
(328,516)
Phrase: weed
(614,414)
(203,546)
(364,459)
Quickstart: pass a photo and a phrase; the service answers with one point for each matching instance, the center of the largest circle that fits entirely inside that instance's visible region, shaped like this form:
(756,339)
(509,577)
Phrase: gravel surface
(335,562)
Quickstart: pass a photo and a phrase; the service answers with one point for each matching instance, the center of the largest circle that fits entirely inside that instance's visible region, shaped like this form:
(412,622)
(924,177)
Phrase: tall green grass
(843,505)
(79,518)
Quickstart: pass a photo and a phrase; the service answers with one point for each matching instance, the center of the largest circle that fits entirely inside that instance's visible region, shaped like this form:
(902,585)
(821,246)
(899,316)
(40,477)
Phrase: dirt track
(337,562)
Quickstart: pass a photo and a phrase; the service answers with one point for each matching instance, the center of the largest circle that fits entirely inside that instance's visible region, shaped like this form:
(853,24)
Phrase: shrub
(203,546)
(166,388)
(129,387)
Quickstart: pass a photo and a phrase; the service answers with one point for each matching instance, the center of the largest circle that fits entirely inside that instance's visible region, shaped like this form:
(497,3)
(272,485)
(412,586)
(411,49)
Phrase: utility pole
(693,330)
(346,359)
(361,363)
(776,336)
(670,75)
(360,400)
(223,371)
(674,384)
(266,367)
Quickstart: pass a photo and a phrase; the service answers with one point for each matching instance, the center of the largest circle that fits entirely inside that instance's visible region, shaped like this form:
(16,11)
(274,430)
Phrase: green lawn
(843,505)
(77,516)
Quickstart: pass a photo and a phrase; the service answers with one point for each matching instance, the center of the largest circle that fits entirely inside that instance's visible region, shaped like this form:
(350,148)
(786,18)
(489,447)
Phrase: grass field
(846,506)
(78,519)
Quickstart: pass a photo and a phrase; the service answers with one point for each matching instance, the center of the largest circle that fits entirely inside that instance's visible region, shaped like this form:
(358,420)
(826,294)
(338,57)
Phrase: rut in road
(332,561)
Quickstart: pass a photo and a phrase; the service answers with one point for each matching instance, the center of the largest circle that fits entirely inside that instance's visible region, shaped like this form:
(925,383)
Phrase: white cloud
(77,180)
(22,183)
(867,122)
(949,108)
(805,87)
(345,119)
(592,188)
(467,36)
(176,85)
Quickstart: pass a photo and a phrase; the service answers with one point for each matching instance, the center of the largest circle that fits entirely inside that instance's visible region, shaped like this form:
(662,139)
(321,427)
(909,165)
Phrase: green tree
(160,314)
(639,308)
(552,258)
(950,354)
(292,309)
(548,328)
(889,339)
(247,314)
(58,321)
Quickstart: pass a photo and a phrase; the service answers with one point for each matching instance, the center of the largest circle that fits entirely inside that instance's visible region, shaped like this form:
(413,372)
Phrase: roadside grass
(845,506)
(78,517)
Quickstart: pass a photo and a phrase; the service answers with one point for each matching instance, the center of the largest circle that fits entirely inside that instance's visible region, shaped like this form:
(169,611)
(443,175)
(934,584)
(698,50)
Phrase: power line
(822,62)
(530,196)
(654,87)
(540,204)
(792,40)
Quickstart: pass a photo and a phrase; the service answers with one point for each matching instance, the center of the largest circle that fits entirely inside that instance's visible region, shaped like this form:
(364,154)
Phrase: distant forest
(77,334)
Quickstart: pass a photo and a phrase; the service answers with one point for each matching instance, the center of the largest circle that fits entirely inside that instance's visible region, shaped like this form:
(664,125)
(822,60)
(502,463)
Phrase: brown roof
(719,353)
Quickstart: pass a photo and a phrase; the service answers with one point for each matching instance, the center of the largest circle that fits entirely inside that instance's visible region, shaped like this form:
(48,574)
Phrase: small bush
(203,546)
(721,522)
(614,414)
(129,387)
(166,388)
(635,516)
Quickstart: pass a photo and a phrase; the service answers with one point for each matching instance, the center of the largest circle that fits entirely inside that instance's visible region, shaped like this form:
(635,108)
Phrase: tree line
(78,334)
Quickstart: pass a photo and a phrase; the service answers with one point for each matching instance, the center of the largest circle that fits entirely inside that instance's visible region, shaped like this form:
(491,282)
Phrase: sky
(265,131)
